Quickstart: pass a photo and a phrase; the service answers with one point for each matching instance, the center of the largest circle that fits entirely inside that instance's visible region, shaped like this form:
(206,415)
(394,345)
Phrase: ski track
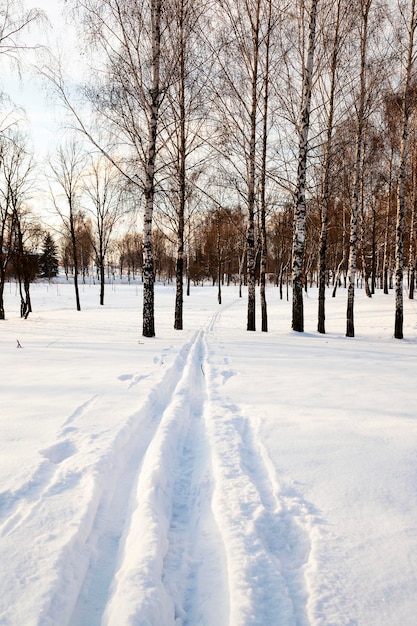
(265,528)
(86,561)
(157,581)
(114,509)
(193,573)
(186,523)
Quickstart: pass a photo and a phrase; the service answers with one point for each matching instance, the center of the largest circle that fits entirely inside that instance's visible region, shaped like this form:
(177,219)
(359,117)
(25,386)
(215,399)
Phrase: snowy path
(83,561)
(264,531)
(158,569)
(210,477)
(175,517)
(208,519)
(145,506)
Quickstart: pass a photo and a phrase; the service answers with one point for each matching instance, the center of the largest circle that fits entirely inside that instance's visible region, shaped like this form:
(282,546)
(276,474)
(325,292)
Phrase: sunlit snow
(209,476)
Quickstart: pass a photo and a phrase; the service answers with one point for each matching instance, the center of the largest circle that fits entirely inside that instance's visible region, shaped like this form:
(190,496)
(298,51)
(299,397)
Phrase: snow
(209,476)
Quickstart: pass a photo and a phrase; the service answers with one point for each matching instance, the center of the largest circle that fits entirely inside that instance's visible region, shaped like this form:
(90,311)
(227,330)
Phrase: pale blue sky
(28,91)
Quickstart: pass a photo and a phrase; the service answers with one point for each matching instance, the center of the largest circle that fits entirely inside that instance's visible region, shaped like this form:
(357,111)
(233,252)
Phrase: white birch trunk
(352,262)
(326,177)
(250,239)
(148,263)
(300,199)
(399,228)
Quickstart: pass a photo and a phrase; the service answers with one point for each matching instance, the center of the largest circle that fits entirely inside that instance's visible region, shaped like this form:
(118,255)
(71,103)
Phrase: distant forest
(234,141)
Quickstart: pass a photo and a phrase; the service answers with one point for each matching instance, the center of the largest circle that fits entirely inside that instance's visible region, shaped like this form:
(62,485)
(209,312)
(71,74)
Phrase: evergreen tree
(48,262)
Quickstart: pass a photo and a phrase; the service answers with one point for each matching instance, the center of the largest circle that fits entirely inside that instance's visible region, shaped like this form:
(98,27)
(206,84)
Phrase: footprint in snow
(227,374)
(134,379)
(124,377)
(58,452)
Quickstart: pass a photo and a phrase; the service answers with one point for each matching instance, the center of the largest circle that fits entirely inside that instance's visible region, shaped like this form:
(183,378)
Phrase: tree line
(252,140)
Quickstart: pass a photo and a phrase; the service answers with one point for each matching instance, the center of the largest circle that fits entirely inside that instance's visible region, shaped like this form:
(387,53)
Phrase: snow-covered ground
(210,476)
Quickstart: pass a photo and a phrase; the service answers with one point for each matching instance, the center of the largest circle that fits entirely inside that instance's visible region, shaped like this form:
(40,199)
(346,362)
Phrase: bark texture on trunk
(264,251)
(325,203)
(148,261)
(399,228)
(181,173)
(300,197)
(250,240)
(353,241)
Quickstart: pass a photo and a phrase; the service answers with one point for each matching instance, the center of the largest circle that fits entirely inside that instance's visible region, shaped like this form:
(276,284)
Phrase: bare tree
(405,122)
(25,261)
(412,243)
(241,93)
(263,173)
(365,7)
(129,81)
(68,171)
(6,234)
(15,169)
(184,124)
(104,201)
(337,19)
(15,21)
(300,199)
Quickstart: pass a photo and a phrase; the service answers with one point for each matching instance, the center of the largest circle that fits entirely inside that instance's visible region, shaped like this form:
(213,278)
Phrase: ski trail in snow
(211,537)
(83,556)
(168,541)
(265,534)
(112,511)
(181,520)
(193,570)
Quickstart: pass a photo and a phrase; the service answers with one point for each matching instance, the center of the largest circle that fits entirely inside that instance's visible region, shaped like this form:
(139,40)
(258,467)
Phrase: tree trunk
(365,269)
(179,274)
(102,282)
(300,200)
(241,266)
(251,257)
(148,261)
(28,301)
(2,311)
(352,264)
(322,265)
(219,260)
(412,246)
(386,238)
(399,229)
(264,252)
(75,259)
(374,253)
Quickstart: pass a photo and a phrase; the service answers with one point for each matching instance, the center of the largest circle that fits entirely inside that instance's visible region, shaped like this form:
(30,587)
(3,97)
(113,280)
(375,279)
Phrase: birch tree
(128,81)
(365,7)
(300,191)
(68,171)
(103,191)
(405,123)
(263,174)
(185,124)
(240,92)
(15,170)
(6,231)
(412,242)
(336,38)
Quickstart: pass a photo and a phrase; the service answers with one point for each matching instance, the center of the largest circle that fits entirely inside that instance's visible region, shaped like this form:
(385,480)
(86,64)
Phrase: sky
(28,90)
